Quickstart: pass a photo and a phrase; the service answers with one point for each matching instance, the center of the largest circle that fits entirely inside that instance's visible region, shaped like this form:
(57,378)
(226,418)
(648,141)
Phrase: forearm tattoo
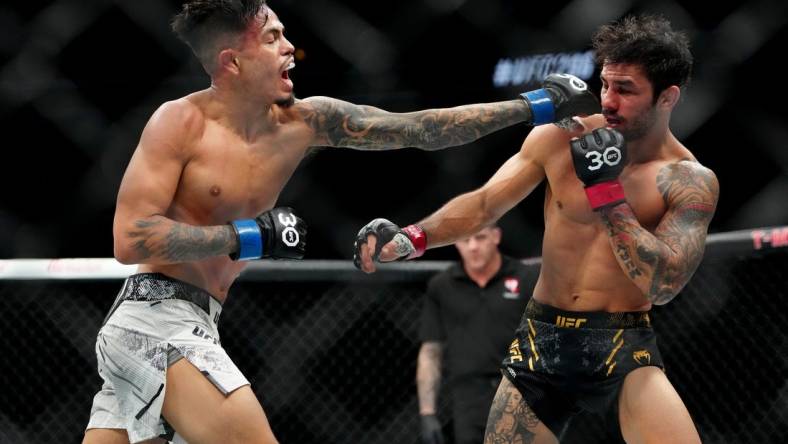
(511,421)
(663,262)
(344,124)
(162,239)
(428,376)
(638,252)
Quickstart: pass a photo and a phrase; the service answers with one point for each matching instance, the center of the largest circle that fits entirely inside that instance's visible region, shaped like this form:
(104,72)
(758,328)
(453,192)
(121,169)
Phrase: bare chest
(566,201)
(228,178)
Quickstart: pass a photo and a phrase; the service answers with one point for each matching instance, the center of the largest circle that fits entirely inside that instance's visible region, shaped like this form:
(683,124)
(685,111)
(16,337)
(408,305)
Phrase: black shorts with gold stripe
(563,362)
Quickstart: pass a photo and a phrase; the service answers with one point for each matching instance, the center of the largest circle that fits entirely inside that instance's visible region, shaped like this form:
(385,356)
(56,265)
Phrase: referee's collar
(457,271)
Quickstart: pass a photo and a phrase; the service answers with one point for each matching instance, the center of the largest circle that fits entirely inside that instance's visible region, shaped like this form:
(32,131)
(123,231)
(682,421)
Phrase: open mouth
(285,75)
(287,84)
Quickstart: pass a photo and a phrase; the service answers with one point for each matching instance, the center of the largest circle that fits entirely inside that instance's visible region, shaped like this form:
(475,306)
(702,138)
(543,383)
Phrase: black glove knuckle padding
(383,230)
(301,229)
(571,96)
(619,139)
(283,242)
(598,137)
(607,164)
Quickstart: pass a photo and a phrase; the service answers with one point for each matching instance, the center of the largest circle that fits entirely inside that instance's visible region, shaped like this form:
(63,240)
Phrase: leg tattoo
(511,421)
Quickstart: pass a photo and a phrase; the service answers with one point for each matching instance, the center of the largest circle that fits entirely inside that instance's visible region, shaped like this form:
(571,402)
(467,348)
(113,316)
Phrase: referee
(470,313)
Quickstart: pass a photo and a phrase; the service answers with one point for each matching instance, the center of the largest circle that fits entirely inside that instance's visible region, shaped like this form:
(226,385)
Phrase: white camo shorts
(155,321)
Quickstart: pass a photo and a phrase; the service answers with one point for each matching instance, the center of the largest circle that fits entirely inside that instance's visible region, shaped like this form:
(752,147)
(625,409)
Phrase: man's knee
(650,409)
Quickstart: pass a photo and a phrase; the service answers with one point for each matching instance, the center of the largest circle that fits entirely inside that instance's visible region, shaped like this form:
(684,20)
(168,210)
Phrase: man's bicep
(513,181)
(343,124)
(152,176)
(149,183)
(432,349)
(691,192)
(336,122)
(430,323)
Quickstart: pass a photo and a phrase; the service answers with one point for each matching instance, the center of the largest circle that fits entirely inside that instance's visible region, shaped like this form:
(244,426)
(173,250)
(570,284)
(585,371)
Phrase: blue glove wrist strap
(542,110)
(250,239)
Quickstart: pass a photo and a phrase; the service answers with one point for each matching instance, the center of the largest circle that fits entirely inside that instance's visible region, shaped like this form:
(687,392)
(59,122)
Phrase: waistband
(586,319)
(152,287)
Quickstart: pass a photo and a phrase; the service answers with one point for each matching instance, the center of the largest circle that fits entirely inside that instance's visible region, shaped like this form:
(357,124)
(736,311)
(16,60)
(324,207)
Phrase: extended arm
(660,264)
(342,124)
(468,213)
(465,214)
(142,232)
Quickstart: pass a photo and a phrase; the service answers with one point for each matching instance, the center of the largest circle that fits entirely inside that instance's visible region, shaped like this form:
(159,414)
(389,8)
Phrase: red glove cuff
(605,193)
(419,239)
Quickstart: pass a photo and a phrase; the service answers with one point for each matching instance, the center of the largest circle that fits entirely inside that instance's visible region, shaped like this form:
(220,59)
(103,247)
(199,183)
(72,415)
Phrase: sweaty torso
(230,177)
(579,270)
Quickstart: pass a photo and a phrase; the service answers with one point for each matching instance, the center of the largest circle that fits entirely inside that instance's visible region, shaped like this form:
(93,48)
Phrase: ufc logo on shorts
(563,321)
(514,351)
(289,234)
(611,157)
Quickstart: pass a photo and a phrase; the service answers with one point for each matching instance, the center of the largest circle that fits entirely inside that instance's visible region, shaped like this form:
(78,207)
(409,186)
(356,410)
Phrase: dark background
(79,79)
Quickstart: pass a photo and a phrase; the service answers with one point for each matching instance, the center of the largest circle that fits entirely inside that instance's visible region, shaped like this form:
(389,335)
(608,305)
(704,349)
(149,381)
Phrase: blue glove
(276,233)
(562,96)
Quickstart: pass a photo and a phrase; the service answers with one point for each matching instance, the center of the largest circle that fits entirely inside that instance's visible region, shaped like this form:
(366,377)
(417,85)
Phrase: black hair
(648,41)
(202,24)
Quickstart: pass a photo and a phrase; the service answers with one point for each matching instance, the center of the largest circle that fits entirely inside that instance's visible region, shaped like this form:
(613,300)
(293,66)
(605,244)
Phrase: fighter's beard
(286,103)
(640,126)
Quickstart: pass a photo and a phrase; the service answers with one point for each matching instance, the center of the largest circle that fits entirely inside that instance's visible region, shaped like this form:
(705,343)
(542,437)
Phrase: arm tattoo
(511,421)
(161,239)
(140,236)
(638,252)
(621,249)
(344,124)
(663,262)
(428,376)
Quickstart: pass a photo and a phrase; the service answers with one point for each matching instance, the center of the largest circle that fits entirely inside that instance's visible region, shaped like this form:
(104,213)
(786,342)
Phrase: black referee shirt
(476,324)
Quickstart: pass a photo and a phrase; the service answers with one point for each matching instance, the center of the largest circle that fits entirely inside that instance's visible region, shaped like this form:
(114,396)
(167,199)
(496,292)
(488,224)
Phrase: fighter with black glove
(277,233)
(410,242)
(599,157)
(562,96)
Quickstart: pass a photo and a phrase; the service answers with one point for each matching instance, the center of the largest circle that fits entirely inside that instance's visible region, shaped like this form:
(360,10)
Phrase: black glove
(276,233)
(562,96)
(599,158)
(411,240)
(431,430)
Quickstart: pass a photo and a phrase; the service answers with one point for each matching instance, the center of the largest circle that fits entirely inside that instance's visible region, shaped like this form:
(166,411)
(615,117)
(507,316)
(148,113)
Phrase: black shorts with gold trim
(563,362)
